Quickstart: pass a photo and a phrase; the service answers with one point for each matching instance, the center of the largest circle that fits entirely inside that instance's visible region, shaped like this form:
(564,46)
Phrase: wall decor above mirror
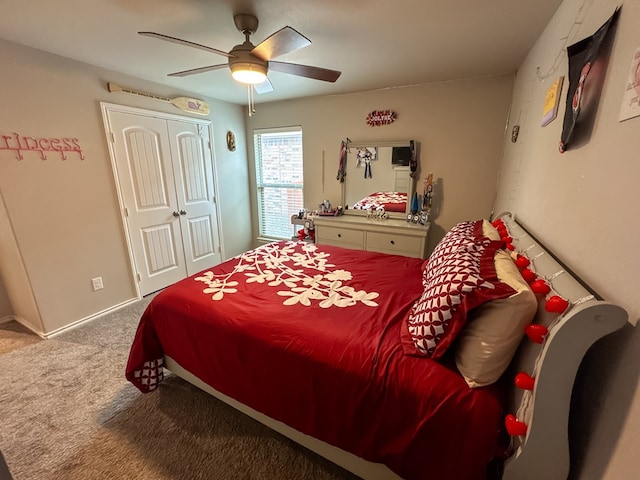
(378,173)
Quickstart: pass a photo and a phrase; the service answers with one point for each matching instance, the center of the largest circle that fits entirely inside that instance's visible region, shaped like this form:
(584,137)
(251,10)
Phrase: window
(278,155)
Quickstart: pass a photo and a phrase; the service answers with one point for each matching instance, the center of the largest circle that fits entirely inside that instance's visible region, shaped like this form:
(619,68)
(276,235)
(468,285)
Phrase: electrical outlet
(97,283)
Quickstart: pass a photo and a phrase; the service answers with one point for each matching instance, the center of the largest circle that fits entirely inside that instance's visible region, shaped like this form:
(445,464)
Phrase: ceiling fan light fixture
(248,73)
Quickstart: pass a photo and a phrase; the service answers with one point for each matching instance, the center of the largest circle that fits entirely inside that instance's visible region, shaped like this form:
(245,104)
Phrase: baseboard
(7,319)
(75,324)
(89,318)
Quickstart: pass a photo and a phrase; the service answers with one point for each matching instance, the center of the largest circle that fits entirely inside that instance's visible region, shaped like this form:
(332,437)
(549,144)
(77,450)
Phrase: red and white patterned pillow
(459,276)
(457,239)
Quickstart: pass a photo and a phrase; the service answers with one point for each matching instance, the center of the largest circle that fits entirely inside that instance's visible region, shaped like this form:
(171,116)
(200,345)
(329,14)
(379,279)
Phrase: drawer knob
(392,242)
(339,235)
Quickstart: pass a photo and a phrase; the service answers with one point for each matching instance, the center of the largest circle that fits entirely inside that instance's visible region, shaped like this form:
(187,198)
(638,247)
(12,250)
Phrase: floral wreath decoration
(377,118)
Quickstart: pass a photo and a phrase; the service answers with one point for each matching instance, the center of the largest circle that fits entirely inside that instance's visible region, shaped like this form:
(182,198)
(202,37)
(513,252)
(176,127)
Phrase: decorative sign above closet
(186,104)
(22,143)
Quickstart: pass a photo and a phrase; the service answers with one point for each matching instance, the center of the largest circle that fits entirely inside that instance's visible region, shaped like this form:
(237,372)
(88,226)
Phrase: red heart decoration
(506,239)
(514,426)
(540,286)
(536,332)
(497,223)
(509,246)
(528,275)
(556,304)
(522,262)
(524,381)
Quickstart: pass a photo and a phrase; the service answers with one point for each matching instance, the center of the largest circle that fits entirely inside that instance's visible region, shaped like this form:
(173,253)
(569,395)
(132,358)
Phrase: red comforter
(310,335)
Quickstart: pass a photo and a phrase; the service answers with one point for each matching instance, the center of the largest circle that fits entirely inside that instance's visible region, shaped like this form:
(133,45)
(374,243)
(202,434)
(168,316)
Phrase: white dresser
(386,236)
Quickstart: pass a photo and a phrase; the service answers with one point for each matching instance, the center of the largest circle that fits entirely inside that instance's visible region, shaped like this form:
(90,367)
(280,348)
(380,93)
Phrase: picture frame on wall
(588,61)
(631,99)
(552,102)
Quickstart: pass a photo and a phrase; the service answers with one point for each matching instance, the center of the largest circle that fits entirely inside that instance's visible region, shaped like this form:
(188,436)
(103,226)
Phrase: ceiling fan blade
(317,73)
(179,41)
(264,87)
(283,41)
(194,71)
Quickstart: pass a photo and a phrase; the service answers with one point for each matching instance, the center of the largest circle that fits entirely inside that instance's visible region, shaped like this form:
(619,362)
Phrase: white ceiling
(376,44)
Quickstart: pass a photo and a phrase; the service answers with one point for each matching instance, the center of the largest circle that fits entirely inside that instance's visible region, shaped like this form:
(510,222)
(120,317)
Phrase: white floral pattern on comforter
(300,267)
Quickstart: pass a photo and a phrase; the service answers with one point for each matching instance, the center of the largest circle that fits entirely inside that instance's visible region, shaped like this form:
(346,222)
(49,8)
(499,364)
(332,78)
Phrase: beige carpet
(67,412)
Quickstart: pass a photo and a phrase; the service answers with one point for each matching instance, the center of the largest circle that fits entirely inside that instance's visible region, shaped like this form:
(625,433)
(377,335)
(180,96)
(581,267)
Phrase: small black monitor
(401,156)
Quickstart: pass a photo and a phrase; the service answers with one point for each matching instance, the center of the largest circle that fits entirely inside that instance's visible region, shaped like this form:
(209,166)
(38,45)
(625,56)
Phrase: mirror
(378,173)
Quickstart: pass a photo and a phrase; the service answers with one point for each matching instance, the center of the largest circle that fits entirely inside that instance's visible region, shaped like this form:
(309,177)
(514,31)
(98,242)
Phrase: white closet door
(146,178)
(193,174)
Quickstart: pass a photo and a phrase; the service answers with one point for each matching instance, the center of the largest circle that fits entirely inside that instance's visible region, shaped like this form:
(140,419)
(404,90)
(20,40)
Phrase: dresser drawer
(339,235)
(391,242)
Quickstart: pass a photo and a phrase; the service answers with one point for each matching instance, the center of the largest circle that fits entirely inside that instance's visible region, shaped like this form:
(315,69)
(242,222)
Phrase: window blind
(279,179)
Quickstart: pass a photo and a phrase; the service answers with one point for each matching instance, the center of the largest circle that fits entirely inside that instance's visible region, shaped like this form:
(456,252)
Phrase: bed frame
(543,453)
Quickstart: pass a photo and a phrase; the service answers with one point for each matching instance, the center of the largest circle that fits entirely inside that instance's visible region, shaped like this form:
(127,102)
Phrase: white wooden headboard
(543,453)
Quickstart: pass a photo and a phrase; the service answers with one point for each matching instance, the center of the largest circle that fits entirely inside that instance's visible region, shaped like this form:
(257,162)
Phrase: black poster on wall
(588,60)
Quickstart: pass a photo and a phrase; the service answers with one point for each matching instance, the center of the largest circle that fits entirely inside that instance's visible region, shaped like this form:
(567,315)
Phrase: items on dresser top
(385,236)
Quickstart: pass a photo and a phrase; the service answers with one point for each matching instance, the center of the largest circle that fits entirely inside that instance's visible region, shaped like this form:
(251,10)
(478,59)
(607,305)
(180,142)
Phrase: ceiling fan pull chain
(252,107)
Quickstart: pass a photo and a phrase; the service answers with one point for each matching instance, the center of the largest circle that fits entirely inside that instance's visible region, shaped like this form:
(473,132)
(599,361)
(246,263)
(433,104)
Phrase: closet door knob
(175,214)
(182,212)
(392,242)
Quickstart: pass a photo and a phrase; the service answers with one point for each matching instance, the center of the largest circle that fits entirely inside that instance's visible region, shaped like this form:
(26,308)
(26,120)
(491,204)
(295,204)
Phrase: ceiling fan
(250,64)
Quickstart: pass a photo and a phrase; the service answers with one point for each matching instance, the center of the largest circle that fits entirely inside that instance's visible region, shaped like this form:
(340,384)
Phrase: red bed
(390,201)
(310,335)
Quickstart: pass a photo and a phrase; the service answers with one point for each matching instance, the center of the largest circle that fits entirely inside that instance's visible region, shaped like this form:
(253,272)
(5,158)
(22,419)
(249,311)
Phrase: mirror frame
(412,182)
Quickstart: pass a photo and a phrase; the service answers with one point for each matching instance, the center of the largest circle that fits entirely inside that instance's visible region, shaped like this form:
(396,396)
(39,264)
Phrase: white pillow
(489,230)
(494,330)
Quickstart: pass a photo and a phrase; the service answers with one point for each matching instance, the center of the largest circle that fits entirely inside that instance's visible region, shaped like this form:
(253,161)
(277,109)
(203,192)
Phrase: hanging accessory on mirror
(427,198)
(342,163)
(413,164)
(367,167)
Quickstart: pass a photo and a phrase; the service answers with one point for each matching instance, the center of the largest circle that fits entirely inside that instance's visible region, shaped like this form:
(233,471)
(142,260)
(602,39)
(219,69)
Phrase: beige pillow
(489,230)
(494,330)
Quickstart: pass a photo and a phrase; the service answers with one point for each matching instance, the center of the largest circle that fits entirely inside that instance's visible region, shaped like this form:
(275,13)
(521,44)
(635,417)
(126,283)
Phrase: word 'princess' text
(21,143)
